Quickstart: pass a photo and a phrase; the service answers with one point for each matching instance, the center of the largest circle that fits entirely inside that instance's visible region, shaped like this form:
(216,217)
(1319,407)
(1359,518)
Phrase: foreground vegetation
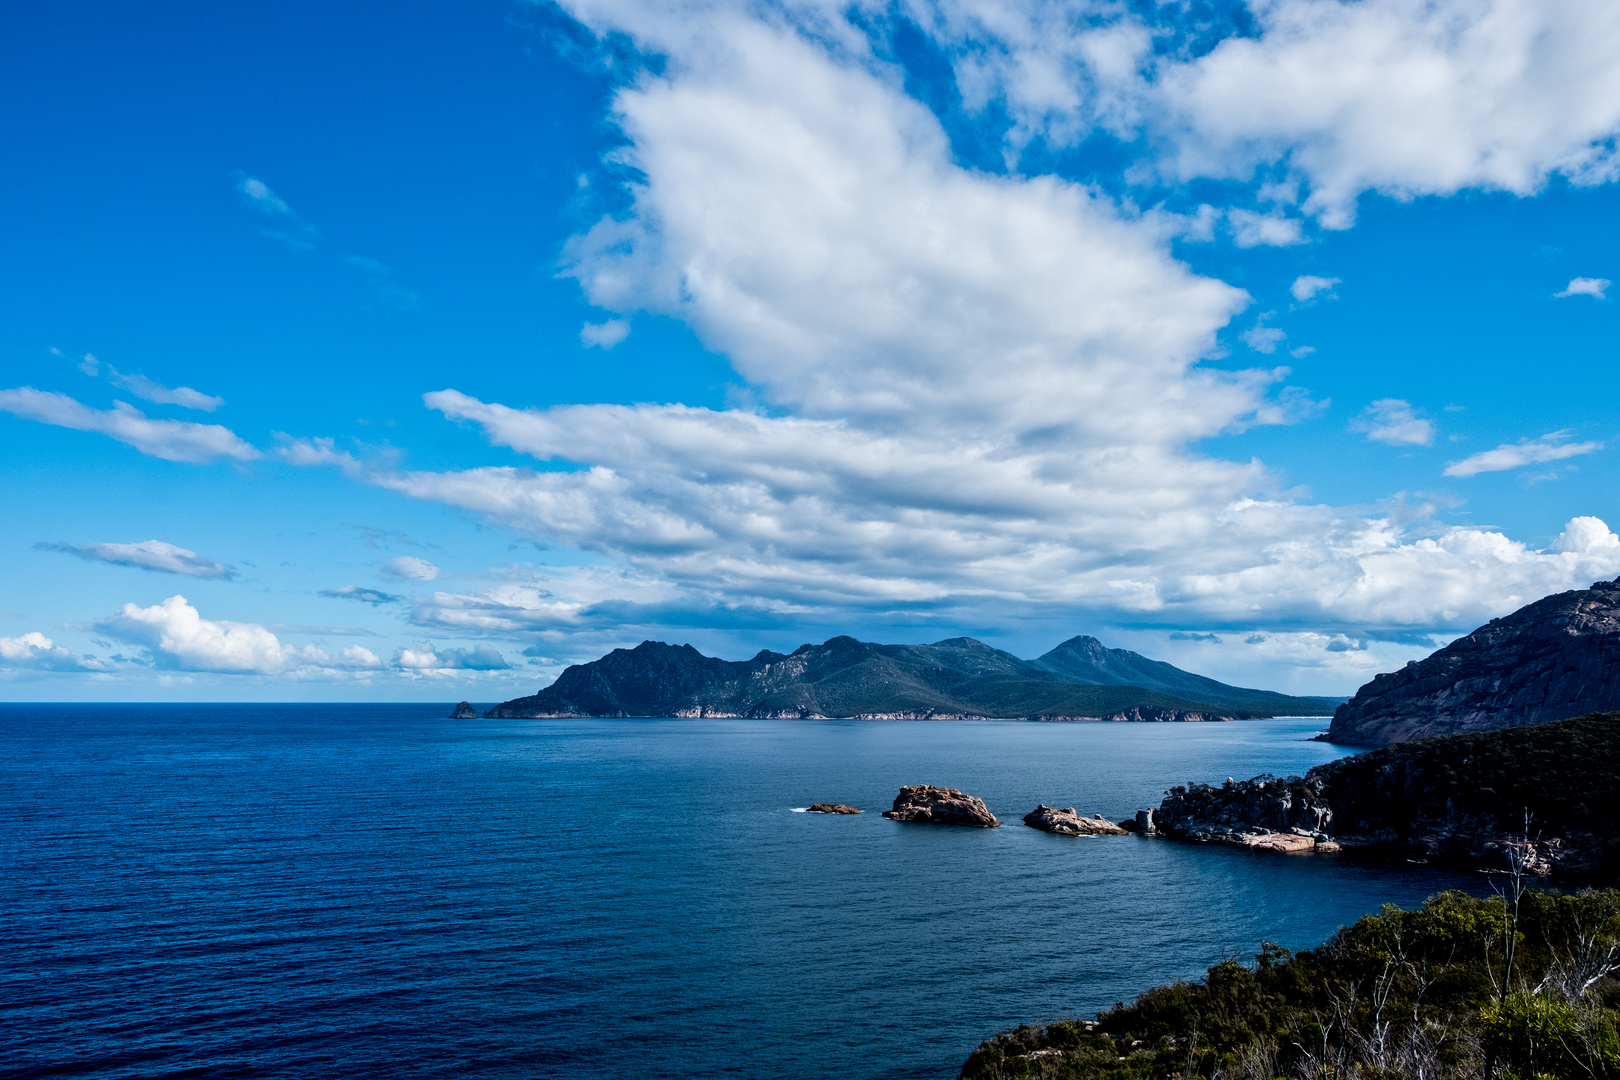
(1519,986)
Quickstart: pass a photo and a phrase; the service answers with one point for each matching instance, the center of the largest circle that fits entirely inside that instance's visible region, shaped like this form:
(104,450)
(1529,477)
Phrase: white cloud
(605,335)
(980,393)
(260,197)
(426,659)
(1586,286)
(1250,229)
(1554,446)
(172,440)
(34,651)
(1307,286)
(1405,97)
(148,555)
(1393,421)
(1262,338)
(409,568)
(158,394)
(177,637)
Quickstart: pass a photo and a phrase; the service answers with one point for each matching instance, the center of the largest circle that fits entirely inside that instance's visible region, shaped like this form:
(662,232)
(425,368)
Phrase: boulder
(1068,823)
(464,711)
(929,805)
(832,808)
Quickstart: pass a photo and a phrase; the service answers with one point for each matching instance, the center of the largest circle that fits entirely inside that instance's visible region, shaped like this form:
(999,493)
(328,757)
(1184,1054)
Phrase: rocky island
(1556,658)
(1067,822)
(958,678)
(832,808)
(925,804)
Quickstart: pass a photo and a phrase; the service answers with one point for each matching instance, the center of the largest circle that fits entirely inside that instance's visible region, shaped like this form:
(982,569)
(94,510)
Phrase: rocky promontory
(925,804)
(1067,822)
(1462,799)
(1556,658)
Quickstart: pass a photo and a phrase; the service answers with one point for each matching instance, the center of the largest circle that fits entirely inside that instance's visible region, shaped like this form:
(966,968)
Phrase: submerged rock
(464,711)
(1068,823)
(929,805)
(832,808)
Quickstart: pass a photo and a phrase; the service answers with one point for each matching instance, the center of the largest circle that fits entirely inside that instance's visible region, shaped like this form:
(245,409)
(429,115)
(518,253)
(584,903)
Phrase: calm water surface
(376,891)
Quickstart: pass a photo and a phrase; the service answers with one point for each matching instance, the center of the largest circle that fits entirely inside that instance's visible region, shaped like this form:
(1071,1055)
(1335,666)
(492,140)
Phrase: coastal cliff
(958,678)
(1455,798)
(1555,658)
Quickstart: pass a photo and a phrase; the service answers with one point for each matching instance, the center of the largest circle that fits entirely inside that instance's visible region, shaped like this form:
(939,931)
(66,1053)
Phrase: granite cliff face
(1456,798)
(1556,658)
(959,678)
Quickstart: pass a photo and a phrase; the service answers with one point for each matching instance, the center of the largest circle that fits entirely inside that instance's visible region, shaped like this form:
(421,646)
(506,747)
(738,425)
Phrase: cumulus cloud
(1395,422)
(426,659)
(605,335)
(1306,287)
(1554,446)
(1586,286)
(172,440)
(409,568)
(148,555)
(357,592)
(34,651)
(176,637)
(1402,97)
(980,393)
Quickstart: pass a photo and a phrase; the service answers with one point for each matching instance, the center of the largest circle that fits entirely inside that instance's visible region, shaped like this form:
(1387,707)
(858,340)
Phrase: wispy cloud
(1554,446)
(364,595)
(409,568)
(148,555)
(301,235)
(1395,422)
(172,440)
(148,390)
(1587,286)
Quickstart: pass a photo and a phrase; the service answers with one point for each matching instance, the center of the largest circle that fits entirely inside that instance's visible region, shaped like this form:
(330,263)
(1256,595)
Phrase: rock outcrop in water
(1067,822)
(464,711)
(1553,659)
(832,808)
(959,678)
(1455,798)
(925,804)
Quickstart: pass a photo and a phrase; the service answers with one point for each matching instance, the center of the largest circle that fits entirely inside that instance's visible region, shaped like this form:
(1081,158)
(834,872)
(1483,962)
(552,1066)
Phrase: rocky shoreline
(1542,798)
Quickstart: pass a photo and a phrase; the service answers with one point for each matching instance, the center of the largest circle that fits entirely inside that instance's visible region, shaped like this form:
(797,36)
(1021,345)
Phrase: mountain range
(958,678)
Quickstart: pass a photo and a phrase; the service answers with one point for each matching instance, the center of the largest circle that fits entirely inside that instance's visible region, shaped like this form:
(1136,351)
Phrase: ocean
(378,891)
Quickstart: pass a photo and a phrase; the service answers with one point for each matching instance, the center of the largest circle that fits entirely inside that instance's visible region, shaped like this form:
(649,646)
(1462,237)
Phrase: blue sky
(457,343)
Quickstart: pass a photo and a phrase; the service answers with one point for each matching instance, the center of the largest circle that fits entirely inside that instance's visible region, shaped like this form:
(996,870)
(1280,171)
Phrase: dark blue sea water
(377,891)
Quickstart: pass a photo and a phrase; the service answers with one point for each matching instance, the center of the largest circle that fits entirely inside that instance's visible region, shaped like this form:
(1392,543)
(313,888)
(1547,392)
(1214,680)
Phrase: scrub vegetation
(1517,986)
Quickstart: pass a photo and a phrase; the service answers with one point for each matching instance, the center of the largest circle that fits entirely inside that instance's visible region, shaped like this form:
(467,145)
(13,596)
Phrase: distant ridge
(958,678)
